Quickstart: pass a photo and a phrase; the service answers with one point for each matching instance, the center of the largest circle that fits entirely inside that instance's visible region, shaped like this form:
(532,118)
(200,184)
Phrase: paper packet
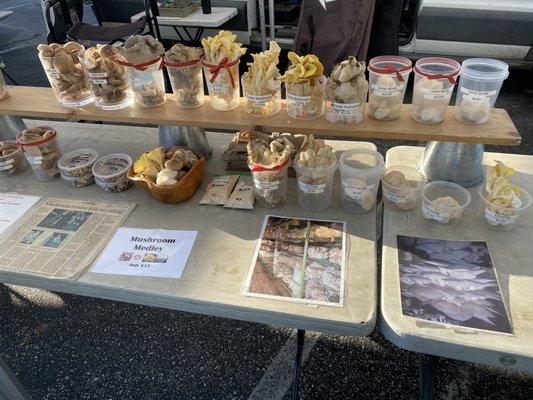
(219,189)
(242,196)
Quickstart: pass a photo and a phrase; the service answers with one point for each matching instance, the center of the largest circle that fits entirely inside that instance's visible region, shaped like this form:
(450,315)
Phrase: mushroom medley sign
(451,282)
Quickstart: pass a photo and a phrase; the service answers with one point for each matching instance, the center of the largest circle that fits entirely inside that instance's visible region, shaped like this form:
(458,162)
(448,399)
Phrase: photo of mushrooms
(451,282)
(299,260)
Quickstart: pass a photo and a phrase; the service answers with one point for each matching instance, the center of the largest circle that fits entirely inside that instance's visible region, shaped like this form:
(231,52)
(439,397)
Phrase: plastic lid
(362,162)
(437,67)
(77,159)
(484,69)
(111,166)
(390,65)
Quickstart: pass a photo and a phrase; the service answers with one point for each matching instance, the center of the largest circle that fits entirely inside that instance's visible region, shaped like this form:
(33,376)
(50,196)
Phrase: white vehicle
(500,29)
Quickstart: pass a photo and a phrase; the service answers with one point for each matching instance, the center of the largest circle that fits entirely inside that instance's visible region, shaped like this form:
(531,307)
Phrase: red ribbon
(261,168)
(143,66)
(451,77)
(181,64)
(390,69)
(214,70)
(39,142)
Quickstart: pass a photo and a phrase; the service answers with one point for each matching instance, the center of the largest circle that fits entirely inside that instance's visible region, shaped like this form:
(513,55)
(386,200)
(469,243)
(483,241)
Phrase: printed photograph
(125,256)
(155,258)
(64,220)
(31,236)
(451,282)
(299,259)
(55,240)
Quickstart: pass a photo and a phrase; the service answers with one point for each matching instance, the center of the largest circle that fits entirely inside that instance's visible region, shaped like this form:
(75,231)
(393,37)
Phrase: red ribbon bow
(389,69)
(214,70)
(450,77)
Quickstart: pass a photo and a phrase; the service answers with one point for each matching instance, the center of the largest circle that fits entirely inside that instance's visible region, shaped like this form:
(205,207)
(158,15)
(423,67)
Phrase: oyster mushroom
(261,85)
(165,166)
(346,89)
(502,197)
(42,157)
(187,81)
(65,73)
(304,83)
(11,159)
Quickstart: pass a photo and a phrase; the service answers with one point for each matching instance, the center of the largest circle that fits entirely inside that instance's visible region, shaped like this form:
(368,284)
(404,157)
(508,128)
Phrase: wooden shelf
(39,102)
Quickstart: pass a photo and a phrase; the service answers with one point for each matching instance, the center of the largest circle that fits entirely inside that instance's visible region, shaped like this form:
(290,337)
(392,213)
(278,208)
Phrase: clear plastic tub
(147,82)
(401,186)
(187,83)
(12,161)
(501,218)
(305,101)
(435,78)
(42,155)
(223,84)
(350,112)
(266,103)
(437,204)
(315,185)
(360,174)
(479,85)
(76,167)
(270,185)
(388,76)
(3,87)
(70,85)
(109,82)
(110,172)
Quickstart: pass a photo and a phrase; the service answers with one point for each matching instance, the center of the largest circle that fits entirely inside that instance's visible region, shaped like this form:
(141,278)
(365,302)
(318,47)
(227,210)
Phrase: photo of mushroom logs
(451,282)
(299,259)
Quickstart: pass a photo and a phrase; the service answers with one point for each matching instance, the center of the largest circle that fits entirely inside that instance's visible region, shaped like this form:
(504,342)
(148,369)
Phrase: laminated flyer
(61,237)
(147,252)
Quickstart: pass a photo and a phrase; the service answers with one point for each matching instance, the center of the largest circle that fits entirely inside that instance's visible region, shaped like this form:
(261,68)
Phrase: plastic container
(435,78)
(147,82)
(76,167)
(388,76)
(3,87)
(501,218)
(270,185)
(223,84)
(187,83)
(266,103)
(360,174)
(43,156)
(305,101)
(441,213)
(70,87)
(12,162)
(109,83)
(351,111)
(400,194)
(479,85)
(110,172)
(315,185)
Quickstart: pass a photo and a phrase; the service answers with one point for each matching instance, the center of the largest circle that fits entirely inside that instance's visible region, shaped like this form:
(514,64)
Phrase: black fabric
(384,37)
(60,16)
(334,33)
(81,31)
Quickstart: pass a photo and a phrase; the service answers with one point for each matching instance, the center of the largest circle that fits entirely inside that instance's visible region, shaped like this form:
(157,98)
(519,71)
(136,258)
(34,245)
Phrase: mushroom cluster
(222,46)
(346,89)
(65,73)
(397,188)
(165,167)
(304,82)
(270,155)
(502,196)
(187,81)
(315,153)
(385,99)
(430,100)
(107,78)
(261,84)
(11,158)
(143,53)
(474,110)
(444,209)
(42,151)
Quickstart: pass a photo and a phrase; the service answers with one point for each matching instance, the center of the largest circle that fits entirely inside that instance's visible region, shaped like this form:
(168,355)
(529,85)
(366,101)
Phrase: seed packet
(219,189)
(243,195)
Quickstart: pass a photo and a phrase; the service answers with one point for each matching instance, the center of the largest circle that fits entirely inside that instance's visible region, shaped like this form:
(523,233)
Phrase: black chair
(107,34)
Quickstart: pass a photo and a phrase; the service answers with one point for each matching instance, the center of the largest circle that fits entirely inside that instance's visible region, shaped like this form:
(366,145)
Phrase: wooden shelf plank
(40,103)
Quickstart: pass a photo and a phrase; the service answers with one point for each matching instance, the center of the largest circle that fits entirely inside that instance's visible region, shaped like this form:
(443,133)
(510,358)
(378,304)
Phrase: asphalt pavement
(69,347)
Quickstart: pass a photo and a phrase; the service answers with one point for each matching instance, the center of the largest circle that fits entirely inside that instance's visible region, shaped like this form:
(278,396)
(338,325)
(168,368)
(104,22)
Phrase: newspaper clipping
(60,237)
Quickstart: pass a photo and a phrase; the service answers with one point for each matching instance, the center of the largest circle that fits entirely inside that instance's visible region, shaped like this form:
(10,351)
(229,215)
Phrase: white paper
(13,206)
(146,252)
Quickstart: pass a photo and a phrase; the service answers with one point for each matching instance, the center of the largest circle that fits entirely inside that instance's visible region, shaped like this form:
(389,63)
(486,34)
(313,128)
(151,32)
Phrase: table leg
(300,338)
(182,39)
(198,36)
(427,365)
(188,34)
(10,387)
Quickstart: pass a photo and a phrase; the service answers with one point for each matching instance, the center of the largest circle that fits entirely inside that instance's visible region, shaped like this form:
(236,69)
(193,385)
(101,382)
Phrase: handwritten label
(267,186)
(387,91)
(298,100)
(394,197)
(477,95)
(311,189)
(497,218)
(436,94)
(7,164)
(34,160)
(259,100)
(430,213)
(97,74)
(346,110)
(219,87)
(356,191)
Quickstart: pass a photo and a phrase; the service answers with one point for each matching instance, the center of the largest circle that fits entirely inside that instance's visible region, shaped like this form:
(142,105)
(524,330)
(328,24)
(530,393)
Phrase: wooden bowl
(182,190)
